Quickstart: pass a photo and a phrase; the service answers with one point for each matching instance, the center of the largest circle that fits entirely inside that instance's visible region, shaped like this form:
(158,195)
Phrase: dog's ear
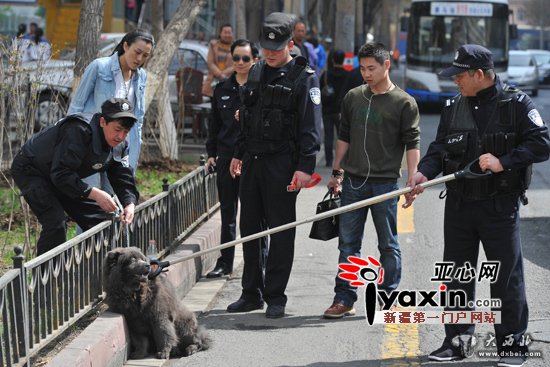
(110,260)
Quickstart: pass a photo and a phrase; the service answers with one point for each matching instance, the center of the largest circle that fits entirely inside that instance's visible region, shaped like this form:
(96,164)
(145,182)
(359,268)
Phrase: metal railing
(43,297)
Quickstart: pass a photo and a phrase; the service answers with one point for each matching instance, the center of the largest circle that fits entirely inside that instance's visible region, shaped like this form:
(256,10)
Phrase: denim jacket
(98,84)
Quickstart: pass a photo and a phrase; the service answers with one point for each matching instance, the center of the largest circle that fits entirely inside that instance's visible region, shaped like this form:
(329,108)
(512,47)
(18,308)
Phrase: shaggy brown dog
(157,320)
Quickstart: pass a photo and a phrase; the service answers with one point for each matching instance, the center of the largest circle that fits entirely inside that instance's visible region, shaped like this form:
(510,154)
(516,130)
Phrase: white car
(523,72)
(54,78)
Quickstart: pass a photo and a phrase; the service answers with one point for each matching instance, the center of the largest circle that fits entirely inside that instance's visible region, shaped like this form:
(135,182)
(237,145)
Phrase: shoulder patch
(521,96)
(535,117)
(315,95)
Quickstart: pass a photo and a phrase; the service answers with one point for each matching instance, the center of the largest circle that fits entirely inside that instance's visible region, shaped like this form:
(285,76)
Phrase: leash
(158,266)
(125,228)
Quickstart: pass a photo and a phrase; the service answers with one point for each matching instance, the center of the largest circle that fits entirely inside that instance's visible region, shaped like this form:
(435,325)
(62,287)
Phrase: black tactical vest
(464,143)
(269,116)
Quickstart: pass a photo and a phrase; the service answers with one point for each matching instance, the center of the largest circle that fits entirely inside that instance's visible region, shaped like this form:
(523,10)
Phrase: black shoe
(243,305)
(445,353)
(275,311)
(218,272)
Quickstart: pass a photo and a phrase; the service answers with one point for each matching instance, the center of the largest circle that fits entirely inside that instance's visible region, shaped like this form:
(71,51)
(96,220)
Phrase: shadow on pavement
(535,238)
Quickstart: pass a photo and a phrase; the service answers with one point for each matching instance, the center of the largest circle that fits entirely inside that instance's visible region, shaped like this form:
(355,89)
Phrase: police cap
(469,57)
(277,31)
(117,108)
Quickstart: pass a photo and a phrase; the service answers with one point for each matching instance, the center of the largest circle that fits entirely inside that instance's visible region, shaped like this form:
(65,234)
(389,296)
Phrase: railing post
(21,304)
(202,162)
(169,234)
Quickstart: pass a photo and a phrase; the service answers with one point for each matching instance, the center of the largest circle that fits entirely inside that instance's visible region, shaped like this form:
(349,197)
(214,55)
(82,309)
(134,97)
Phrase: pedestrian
(379,124)
(39,48)
(275,156)
(120,75)
(501,127)
(219,62)
(220,145)
(50,166)
(332,82)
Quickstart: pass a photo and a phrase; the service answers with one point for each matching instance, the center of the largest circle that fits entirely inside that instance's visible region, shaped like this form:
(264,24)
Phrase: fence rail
(41,298)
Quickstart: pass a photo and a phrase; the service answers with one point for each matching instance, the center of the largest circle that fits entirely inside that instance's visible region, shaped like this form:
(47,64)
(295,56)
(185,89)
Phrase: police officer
(501,127)
(50,166)
(223,131)
(277,147)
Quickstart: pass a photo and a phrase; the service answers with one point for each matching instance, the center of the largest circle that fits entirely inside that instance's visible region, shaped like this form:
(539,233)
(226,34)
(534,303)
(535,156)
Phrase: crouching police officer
(50,166)
(277,147)
(501,127)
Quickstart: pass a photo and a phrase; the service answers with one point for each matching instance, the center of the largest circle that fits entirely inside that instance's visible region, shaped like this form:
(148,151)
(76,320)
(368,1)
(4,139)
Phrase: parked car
(543,63)
(54,78)
(523,71)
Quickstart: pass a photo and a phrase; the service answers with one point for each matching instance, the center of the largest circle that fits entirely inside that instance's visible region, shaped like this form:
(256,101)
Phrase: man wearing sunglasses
(223,131)
(277,146)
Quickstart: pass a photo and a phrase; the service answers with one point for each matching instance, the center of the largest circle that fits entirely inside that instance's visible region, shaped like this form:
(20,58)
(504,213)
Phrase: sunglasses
(237,58)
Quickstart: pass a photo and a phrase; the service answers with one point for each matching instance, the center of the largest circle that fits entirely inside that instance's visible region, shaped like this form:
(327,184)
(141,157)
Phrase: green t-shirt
(378,141)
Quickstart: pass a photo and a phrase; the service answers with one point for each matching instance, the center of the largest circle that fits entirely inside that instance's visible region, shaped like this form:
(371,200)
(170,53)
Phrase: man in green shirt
(379,124)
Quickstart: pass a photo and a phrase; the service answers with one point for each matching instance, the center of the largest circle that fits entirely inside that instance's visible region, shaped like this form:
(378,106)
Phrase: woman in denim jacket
(119,75)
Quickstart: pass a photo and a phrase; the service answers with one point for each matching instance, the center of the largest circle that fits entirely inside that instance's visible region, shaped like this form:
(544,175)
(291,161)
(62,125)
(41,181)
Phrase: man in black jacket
(50,166)
(332,79)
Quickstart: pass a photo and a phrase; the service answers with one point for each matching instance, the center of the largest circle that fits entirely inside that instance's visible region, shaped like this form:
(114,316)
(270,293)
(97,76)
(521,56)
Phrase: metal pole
(330,213)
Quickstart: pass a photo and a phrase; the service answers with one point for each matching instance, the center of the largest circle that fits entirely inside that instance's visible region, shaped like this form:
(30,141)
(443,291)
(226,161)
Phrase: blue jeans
(352,226)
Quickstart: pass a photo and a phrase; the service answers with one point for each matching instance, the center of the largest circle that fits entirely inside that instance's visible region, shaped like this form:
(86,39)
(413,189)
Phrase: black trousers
(495,223)
(228,193)
(265,201)
(49,205)
(330,122)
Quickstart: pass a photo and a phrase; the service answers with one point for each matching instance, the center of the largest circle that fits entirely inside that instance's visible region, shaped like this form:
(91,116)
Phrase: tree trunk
(157,18)
(240,26)
(345,25)
(254,17)
(157,69)
(89,30)
(223,11)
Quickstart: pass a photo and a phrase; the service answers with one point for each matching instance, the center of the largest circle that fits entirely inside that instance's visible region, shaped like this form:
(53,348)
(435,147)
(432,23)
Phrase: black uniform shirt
(534,144)
(223,129)
(307,104)
(73,149)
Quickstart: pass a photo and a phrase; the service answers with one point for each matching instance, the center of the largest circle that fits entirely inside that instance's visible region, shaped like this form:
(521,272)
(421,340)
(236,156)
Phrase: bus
(436,29)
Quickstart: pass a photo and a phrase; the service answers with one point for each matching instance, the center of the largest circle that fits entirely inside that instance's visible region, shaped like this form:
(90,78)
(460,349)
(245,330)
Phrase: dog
(157,320)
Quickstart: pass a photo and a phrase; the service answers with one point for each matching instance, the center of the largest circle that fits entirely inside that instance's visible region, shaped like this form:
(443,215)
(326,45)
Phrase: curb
(105,342)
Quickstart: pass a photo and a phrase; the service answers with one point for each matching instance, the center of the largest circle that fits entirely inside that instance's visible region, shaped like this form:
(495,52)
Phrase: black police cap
(117,108)
(277,31)
(469,57)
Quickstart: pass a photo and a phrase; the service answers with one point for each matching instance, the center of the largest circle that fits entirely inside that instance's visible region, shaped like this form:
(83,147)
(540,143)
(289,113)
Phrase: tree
(157,73)
(89,30)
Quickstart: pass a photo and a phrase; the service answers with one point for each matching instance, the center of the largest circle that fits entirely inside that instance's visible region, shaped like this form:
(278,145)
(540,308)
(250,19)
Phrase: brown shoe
(338,310)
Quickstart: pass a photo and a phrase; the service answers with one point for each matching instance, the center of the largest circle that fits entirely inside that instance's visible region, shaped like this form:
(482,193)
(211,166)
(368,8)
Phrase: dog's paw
(164,354)
(138,355)
(191,349)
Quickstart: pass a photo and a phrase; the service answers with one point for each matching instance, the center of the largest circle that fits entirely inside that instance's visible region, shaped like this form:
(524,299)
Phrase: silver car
(543,63)
(523,72)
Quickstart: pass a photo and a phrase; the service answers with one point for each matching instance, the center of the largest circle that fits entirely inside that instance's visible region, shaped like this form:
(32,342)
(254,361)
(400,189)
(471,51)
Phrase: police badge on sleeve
(315,95)
(535,117)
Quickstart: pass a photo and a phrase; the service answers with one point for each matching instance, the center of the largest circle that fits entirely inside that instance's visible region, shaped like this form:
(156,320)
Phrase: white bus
(437,28)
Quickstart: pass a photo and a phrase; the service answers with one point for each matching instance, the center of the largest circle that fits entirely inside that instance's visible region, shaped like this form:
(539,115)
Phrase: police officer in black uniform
(500,126)
(277,147)
(50,166)
(223,131)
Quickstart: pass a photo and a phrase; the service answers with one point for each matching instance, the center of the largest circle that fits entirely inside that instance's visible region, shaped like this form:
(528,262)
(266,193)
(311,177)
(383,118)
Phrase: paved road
(304,338)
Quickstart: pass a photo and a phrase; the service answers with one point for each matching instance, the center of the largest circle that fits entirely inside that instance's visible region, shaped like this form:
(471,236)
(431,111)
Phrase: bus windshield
(433,39)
